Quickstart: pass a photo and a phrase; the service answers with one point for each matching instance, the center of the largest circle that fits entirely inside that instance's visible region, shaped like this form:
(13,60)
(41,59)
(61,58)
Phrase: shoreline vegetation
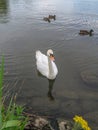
(14,116)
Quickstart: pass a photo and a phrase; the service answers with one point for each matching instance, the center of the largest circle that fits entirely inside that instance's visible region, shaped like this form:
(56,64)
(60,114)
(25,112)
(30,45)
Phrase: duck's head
(91,32)
(54,17)
(50,54)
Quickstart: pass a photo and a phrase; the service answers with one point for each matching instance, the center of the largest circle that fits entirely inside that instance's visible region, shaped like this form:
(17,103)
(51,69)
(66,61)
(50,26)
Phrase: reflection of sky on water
(78,6)
(86,6)
(29,8)
(23,8)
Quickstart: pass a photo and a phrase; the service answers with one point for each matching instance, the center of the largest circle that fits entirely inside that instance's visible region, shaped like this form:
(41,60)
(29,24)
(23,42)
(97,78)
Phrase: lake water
(23,31)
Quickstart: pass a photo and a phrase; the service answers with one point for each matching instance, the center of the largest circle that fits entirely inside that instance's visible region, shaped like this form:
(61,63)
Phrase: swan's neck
(51,71)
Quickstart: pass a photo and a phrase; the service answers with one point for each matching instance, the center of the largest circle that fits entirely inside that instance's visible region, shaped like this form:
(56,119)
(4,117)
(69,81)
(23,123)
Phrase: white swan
(45,64)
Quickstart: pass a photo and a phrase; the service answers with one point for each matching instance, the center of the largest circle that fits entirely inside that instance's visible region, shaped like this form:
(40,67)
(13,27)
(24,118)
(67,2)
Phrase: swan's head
(50,54)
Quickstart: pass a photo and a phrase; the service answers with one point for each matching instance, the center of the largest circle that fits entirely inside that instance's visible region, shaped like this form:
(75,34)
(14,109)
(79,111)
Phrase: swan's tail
(38,53)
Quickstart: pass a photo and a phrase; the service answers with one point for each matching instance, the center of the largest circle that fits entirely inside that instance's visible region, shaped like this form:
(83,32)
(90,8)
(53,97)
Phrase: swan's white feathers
(41,61)
(42,65)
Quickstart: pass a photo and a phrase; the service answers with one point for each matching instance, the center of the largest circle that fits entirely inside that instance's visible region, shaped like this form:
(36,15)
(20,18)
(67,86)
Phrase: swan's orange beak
(52,57)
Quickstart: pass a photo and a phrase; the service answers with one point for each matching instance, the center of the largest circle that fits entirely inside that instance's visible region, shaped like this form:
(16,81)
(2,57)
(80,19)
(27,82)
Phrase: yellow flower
(82,122)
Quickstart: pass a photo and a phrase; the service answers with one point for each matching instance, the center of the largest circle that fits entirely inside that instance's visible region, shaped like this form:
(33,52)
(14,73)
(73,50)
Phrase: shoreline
(36,122)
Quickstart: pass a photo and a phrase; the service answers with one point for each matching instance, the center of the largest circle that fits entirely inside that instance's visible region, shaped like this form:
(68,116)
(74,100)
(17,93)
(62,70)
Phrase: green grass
(1,86)
(11,117)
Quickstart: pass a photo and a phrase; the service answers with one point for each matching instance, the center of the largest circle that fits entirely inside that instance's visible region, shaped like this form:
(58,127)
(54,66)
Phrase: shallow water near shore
(23,31)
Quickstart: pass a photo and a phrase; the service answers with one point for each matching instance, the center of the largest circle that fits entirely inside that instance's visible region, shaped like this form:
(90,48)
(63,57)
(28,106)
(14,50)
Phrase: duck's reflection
(49,94)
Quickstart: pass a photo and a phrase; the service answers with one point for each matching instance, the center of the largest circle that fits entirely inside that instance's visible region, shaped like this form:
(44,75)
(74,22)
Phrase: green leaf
(12,123)
(1,85)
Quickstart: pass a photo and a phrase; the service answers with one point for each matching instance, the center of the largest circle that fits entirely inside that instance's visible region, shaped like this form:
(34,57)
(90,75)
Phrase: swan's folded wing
(42,63)
(40,57)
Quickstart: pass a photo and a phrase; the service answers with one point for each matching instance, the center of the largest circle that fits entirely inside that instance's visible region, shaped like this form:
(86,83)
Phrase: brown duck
(52,17)
(85,32)
(46,19)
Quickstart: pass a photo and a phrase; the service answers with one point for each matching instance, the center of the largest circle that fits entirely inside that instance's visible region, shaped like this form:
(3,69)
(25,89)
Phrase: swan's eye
(52,57)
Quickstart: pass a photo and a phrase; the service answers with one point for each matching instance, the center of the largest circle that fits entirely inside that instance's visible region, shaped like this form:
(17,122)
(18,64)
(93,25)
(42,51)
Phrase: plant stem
(1,85)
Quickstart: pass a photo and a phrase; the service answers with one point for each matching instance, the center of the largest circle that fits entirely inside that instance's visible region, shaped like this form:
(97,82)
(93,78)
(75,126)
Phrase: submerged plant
(10,117)
(80,123)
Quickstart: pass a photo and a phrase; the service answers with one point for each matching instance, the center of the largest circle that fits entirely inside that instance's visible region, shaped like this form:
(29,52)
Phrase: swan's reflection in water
(50,86)
(49,94)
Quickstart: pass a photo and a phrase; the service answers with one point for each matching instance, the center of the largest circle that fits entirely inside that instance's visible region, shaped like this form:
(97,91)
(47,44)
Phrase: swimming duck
(46,65)
(46,19)
(52,17)
(85,32)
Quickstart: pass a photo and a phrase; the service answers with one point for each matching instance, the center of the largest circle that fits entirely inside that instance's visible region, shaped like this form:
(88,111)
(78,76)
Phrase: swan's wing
(40,57)
(42,63)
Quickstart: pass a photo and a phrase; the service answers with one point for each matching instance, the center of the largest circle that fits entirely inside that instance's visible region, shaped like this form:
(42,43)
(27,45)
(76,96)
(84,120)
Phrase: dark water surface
(23,31)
